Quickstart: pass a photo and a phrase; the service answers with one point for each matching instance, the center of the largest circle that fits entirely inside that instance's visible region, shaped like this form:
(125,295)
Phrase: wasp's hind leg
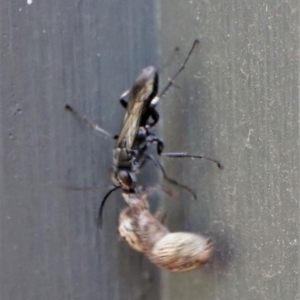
(122,99)
(155,117)
(168,179)
(183,154)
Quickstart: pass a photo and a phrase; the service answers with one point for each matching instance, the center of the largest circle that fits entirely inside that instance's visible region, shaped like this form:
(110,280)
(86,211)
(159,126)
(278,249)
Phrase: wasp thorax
(121,156)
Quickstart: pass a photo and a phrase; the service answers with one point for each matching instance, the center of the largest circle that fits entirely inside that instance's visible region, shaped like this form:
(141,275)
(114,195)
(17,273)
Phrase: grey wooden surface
(237,102)
(85,53)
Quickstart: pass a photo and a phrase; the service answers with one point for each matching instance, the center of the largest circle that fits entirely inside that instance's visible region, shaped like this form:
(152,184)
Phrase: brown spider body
(176,252)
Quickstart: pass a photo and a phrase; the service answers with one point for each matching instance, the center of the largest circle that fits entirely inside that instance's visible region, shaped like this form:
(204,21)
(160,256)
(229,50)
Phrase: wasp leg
(123,100)
(160,146)
(183,154)
(170,180)
(160,216)
(171,80)
(159,142)
(123,103)
(151,138)
(155,117)
(92,125)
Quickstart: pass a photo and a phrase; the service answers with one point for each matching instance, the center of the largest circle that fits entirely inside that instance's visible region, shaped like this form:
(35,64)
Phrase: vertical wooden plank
(85,53)
(238,102)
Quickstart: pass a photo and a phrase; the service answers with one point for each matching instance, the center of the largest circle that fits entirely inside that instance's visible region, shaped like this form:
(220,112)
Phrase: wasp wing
(141,94)
(130,126)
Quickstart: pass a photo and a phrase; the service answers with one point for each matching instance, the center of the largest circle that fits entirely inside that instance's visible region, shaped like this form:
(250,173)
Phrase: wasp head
(125,179)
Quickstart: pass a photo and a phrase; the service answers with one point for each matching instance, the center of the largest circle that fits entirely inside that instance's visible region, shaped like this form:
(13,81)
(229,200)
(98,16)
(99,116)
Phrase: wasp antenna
(99,221)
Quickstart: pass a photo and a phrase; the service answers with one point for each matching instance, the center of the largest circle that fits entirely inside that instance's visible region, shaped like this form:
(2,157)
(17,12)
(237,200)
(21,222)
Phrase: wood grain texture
(84,53)
(238,102)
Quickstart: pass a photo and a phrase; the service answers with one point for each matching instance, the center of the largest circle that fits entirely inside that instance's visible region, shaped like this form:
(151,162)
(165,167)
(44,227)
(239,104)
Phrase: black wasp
(129,154)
